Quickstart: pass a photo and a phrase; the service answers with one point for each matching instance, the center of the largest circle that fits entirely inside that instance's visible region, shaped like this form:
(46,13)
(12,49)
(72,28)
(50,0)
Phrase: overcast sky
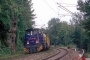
(47,9)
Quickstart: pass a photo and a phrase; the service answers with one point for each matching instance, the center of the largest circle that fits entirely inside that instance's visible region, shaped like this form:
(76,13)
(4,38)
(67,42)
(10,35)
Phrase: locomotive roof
(33,29)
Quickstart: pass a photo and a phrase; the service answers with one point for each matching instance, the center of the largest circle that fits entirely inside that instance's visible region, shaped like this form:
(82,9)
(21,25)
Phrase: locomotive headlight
(27,42)
(37,41)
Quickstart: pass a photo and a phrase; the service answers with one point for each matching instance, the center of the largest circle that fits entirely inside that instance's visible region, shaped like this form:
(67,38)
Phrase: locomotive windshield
(33,31)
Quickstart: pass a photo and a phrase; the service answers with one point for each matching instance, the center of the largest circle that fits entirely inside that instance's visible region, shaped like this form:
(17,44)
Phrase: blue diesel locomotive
(35,40)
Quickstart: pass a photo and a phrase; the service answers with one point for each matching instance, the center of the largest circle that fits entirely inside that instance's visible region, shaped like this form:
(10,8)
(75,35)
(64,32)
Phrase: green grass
(18,54)
(87,55)
(70,45)
(5,54)
(4,51)
(9,56)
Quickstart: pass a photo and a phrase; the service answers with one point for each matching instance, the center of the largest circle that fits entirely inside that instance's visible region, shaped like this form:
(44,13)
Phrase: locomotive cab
(31,37)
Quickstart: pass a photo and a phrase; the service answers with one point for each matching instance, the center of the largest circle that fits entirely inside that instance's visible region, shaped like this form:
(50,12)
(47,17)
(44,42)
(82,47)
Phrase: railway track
(61,52)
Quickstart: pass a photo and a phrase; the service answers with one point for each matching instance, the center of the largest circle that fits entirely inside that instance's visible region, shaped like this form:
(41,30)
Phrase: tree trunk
(12,33)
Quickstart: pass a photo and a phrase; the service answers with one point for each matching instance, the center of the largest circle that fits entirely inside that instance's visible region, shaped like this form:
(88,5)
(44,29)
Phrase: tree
(53,26)
(23,14)
(5,12)
(84,7)
(59,32)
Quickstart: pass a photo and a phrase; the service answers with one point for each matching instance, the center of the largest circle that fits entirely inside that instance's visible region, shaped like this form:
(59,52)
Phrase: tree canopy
(23,13)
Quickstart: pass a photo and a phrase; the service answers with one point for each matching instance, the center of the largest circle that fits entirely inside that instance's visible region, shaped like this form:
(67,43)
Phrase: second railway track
(59,55)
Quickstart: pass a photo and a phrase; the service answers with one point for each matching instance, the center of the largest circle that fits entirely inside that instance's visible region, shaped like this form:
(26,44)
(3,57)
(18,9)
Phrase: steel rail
(59,51)
(62,55)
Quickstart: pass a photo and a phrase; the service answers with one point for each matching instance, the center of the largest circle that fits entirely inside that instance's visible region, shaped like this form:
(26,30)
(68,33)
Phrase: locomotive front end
(31,41)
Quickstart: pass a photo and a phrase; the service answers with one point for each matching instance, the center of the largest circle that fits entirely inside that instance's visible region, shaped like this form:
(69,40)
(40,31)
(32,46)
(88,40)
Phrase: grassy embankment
(5,54)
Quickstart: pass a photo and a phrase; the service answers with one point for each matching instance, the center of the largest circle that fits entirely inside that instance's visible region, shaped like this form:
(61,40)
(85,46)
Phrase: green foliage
(23,14)
(62,33)
(53,29)
(87,55)
(4,51)
(4,21)
(59,32)
(84,7)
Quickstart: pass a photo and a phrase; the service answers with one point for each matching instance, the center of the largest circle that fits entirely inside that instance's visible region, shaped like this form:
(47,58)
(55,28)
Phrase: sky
(47,9)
